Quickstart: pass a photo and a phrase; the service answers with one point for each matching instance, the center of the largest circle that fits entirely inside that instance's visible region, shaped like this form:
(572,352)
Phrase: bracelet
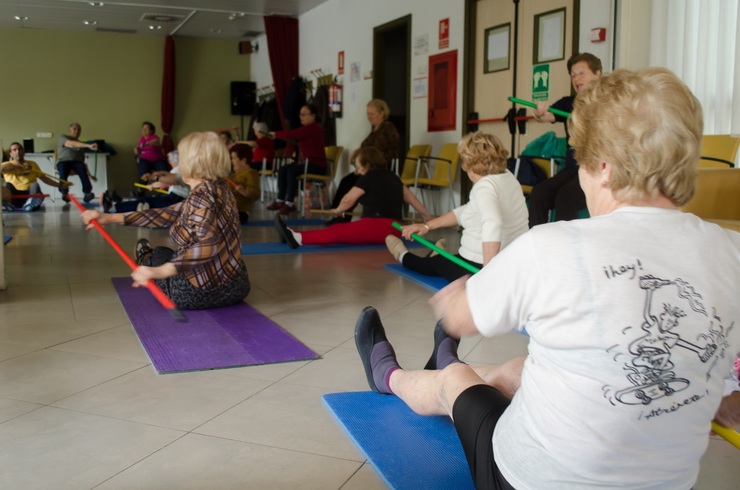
(426,226)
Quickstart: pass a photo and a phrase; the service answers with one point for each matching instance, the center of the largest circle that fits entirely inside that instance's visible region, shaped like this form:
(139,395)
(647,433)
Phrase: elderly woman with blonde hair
(493,217)
(631,315)
(206,269)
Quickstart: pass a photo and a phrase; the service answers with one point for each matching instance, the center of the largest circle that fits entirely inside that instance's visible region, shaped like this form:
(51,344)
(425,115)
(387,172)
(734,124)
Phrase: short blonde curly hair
(648,126)
(482,154)
(203,156)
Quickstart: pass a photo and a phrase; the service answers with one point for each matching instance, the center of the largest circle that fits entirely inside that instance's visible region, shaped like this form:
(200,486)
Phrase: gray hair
(260,127)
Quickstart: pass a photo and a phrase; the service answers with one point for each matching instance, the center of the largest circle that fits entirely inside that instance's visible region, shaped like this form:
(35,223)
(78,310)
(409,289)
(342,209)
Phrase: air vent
(252,34)
(117,31)
(162,18)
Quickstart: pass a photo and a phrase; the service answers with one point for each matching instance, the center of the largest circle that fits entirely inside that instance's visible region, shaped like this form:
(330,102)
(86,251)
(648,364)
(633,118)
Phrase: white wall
(597,13)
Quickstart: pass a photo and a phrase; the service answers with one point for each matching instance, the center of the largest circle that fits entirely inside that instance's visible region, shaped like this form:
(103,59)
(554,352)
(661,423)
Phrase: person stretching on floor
(381,194)
(495,215)
(629,342)
(206,270)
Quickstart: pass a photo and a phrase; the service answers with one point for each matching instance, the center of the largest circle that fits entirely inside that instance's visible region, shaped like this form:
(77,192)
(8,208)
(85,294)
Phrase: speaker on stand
(243,98)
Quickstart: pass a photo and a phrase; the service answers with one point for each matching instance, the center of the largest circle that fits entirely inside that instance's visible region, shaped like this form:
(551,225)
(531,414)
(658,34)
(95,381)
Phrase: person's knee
(454,379)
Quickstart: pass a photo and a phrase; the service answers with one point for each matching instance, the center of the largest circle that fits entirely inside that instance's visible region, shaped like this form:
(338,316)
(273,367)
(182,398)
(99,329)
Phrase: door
(488,94)
(392,72)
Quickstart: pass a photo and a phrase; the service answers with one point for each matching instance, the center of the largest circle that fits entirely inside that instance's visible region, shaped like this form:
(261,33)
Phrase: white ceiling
(216,19)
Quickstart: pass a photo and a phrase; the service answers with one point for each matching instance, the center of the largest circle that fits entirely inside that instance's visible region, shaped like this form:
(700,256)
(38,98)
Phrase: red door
(442,95)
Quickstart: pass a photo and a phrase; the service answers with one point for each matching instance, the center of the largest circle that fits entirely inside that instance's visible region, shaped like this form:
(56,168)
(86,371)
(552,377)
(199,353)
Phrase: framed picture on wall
(496,50)
(549,36)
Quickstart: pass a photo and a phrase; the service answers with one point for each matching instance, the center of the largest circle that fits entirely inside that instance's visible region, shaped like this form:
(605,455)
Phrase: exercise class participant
(629,342)
(206,268)
(381,194)
(494,216)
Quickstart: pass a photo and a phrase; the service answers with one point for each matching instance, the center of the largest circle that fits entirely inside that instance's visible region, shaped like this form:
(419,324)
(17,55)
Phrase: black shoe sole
(285,235)
(368,332)
(439,336)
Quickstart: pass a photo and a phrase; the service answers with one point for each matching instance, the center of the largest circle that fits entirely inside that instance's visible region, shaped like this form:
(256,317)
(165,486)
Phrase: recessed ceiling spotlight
(216,31)
(20,18)
(236,15)
(96,4)
(90,22)
(154,28)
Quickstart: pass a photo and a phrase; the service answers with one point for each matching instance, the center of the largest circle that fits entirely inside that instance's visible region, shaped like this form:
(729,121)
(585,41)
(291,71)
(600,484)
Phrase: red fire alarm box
(442,96)
(598,35)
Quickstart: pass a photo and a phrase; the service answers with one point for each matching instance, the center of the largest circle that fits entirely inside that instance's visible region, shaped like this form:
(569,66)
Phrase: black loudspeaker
(243,98)
(28,146)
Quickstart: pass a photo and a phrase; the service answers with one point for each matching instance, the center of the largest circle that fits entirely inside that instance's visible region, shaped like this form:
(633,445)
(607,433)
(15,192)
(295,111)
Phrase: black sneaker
(116,197)
(284,232)
(65,197)
(143,248)
(106,201)
(89,196)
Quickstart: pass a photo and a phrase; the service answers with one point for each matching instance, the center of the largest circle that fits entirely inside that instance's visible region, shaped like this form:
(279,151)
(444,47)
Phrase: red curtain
(282,44)
(168,94)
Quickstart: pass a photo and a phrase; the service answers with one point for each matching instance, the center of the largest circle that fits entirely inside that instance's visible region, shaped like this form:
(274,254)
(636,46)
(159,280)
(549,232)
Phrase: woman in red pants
(381,194)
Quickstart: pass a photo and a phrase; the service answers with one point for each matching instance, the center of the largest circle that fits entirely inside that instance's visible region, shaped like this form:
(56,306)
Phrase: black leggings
(188,297)
(562,193)
(476,412)
(437,266)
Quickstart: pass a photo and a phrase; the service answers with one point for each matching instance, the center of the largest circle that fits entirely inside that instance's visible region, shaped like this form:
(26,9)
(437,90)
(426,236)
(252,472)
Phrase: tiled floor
(81,406)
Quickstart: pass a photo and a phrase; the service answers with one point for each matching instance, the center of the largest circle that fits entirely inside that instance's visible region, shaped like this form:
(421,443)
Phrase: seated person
(381,194)
(21,178)
(495,215)
(149,154)
(206,268)
(263,148)
(561,192)
(247,181)
(171,181)
(629,342)
(71,158)
(311,148)
(383,136)
(226,138)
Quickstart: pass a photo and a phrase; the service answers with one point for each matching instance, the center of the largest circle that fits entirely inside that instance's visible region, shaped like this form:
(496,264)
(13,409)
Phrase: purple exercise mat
(231,336)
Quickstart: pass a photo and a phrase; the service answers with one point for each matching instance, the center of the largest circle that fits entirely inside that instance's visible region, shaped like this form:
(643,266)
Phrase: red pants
(362,232)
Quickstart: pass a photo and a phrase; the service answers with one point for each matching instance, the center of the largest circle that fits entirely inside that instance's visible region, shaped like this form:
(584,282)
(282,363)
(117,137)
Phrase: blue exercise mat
(283,248)
(6,239)
(409,451)
(433,283)
(288,222)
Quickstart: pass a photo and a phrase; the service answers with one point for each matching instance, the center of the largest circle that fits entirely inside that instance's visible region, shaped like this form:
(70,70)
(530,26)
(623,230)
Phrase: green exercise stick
(442,252)
(532,104)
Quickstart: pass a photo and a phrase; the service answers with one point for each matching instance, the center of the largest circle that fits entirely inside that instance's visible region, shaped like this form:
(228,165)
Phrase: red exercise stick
(153,288)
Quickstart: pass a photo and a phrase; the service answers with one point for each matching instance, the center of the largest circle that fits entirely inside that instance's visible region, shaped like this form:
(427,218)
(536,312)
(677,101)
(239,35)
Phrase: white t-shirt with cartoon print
(633,322)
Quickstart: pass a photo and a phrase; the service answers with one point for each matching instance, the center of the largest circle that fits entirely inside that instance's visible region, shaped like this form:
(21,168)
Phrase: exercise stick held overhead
(153,288)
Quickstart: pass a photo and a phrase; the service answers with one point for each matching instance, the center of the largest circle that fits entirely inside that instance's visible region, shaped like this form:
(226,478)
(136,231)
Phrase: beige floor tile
(9,351)
(47,376)
(285,416)
(176,401)
(366,478)
(10,409)
(339,370)
(198,462)
(116,343)
(61,449)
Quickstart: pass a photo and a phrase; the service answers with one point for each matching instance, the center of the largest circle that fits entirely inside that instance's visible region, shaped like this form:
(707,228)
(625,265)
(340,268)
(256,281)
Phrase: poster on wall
(354,72)
(420,87)
(421,45)
(444,33)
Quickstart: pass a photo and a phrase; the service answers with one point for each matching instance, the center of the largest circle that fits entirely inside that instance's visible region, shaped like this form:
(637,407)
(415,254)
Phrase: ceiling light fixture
(236,15)
(20,18)
(96,4)
(90,22)
(216,31)
(155,28)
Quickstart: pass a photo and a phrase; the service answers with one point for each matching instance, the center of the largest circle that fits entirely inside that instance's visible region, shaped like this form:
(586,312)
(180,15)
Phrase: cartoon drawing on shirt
(650,369)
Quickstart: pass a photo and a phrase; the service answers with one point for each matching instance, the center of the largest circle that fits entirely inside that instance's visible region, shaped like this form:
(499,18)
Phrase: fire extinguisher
(335,99)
